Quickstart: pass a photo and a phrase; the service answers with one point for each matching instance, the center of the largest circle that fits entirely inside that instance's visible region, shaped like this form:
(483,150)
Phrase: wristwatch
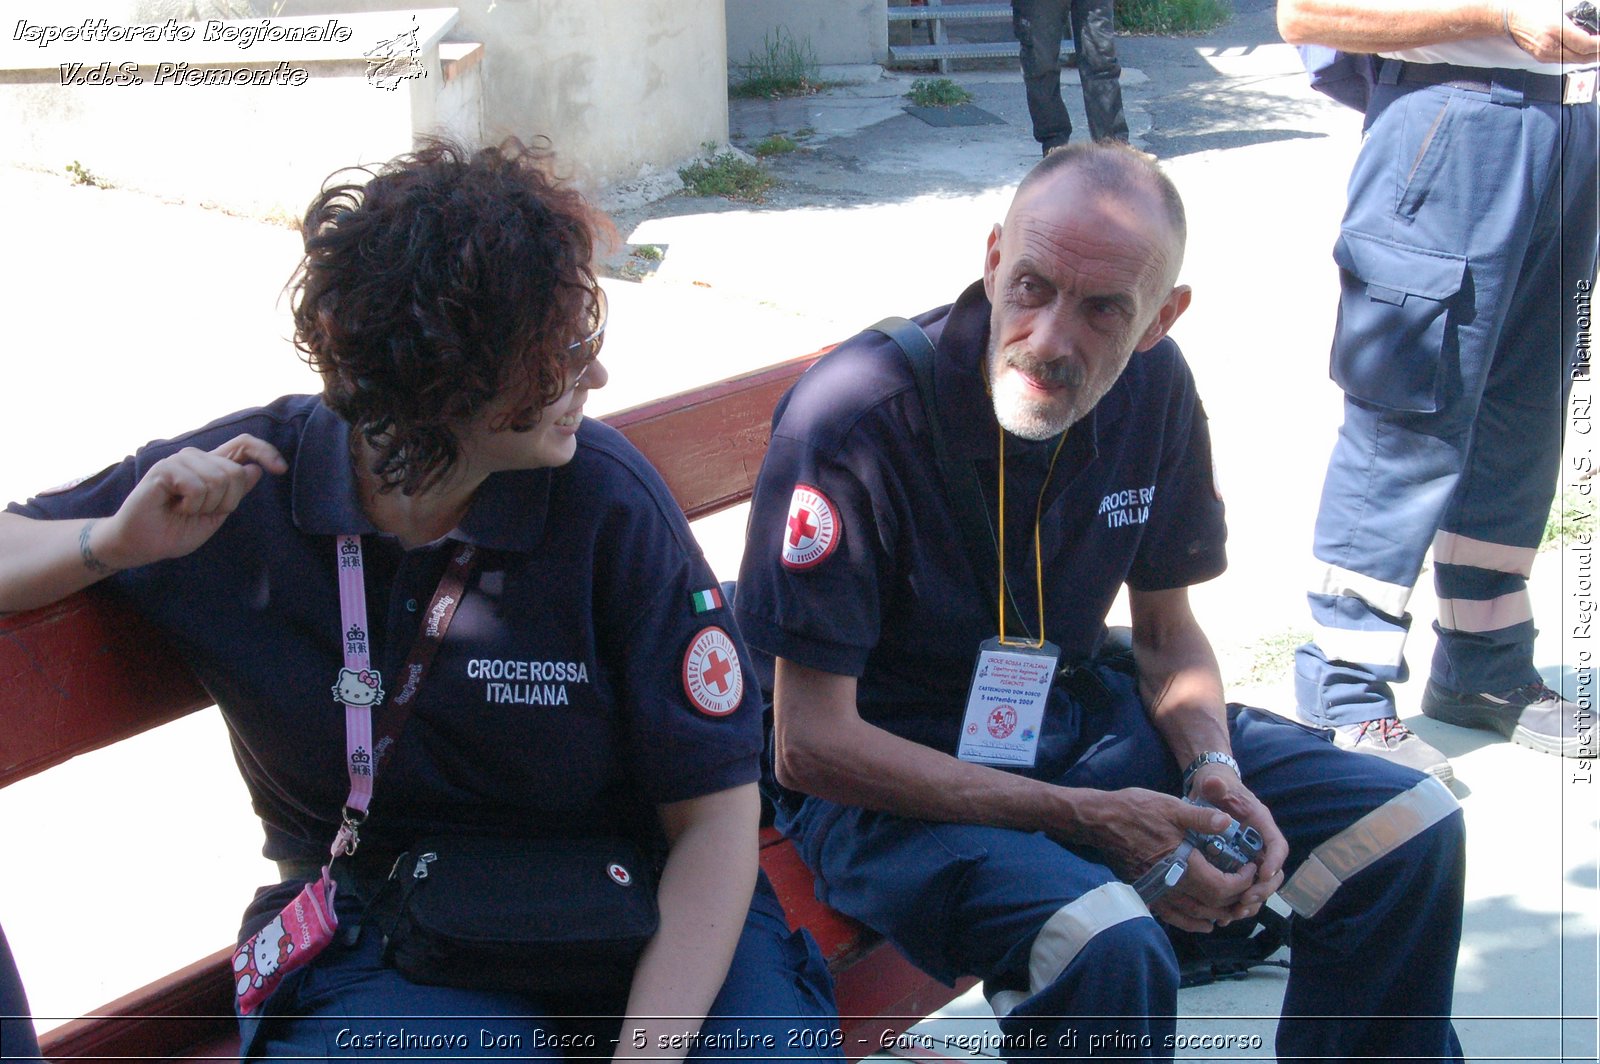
(1210,757)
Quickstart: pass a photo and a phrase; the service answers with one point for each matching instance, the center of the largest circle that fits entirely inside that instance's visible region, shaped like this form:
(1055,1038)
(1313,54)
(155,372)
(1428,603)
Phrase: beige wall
(260,150)
(617,85)
(623,89)
(839,31)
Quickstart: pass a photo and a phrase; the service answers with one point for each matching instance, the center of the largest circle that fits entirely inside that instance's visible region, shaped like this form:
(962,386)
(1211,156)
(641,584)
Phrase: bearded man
(932,553)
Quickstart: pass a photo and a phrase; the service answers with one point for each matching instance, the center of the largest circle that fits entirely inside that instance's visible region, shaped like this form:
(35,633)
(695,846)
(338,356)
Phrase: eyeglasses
(583,353)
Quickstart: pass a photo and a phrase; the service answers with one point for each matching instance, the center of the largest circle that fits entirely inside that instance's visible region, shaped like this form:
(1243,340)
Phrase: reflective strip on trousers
(1347,583)
(1064,935)
(1485,615)
(1376,835)
(1384,646)
(1450,548)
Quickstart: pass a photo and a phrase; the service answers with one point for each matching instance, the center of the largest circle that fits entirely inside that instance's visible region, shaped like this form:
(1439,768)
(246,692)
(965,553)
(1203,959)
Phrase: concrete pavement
(131,319)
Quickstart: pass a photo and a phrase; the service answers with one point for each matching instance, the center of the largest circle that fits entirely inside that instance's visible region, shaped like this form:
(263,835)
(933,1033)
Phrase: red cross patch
(812,530)
(711,675)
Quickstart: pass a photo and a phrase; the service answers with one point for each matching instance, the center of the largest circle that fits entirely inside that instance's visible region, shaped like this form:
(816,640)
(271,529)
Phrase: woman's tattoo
(90,562)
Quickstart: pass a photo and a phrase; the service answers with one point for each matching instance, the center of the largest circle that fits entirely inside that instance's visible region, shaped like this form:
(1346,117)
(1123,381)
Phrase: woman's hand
(178,505)
(181,502)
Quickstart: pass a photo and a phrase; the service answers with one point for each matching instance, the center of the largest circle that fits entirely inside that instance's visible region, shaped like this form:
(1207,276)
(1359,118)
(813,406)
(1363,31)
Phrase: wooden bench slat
(708,443)
(838,936)
(82,674)
(187,1013)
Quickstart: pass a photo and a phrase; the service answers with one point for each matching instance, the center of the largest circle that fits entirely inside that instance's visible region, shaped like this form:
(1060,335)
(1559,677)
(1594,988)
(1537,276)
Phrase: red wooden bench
(85,673)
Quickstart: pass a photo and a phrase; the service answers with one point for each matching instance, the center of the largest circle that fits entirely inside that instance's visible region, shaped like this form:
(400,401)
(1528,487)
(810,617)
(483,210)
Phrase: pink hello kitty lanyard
(360,686)
(305,927)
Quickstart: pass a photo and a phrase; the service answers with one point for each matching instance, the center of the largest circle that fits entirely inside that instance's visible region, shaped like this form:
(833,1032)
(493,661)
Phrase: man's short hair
(1112,166)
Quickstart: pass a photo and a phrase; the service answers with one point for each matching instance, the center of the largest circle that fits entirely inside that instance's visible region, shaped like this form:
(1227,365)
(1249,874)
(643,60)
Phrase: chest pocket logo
(527,683)
(1130,506)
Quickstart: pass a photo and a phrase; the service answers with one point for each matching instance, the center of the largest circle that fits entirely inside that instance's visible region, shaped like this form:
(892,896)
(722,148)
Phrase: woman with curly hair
(533,663)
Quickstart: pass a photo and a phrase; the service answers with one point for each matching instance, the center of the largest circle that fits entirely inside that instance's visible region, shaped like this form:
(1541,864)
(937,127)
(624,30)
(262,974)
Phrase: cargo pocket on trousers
(1394,310)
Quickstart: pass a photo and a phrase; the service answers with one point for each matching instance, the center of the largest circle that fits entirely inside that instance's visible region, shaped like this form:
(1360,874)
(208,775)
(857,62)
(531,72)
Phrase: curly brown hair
(444,280)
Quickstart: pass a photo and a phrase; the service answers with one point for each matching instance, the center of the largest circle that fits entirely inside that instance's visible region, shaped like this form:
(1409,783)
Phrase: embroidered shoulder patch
(707,600)
(812,530)
(712,677)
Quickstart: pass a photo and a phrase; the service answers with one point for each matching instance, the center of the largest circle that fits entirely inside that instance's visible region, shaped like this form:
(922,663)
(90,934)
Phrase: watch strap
(1209,757)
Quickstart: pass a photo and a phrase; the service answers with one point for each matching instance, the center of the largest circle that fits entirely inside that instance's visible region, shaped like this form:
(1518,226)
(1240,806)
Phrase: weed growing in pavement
(1172,16)
(937,92)
(788,68)
(777,144)
(727,175)
(642,261)
(82,175)
(282,216)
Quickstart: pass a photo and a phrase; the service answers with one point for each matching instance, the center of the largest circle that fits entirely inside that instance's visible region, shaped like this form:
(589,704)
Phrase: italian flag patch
(707,600)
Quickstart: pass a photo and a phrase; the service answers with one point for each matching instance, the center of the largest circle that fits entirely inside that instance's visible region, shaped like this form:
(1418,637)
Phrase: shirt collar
(325,496)
(507,512)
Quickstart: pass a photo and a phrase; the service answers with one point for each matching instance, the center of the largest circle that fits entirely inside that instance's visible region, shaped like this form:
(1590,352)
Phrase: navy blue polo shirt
(582,680)
(855,563)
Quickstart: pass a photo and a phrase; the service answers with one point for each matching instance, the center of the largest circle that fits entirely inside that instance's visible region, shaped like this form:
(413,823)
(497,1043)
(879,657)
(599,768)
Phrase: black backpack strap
(966,498)
(1230,952)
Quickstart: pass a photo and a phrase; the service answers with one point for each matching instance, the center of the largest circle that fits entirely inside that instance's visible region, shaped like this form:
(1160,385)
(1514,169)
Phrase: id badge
(1580,87)
(291,940)
(1005,704)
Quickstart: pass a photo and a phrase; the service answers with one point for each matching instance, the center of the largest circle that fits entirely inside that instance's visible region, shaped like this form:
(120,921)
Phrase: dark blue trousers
(17,1038)
(1466,257)
(1074,968)
(348,1003)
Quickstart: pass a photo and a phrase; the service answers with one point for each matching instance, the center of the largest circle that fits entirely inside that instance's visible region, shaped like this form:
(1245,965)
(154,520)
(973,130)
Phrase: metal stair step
(921,53)
(949,11)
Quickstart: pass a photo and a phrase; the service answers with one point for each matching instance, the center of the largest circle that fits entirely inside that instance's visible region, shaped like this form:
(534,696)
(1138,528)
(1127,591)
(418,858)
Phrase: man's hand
(181,502)
(1543,31)
(1134,828)
(1202,899)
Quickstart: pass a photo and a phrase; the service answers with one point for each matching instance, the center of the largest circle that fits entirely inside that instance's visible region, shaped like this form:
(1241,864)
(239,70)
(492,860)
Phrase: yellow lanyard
(1038,557)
